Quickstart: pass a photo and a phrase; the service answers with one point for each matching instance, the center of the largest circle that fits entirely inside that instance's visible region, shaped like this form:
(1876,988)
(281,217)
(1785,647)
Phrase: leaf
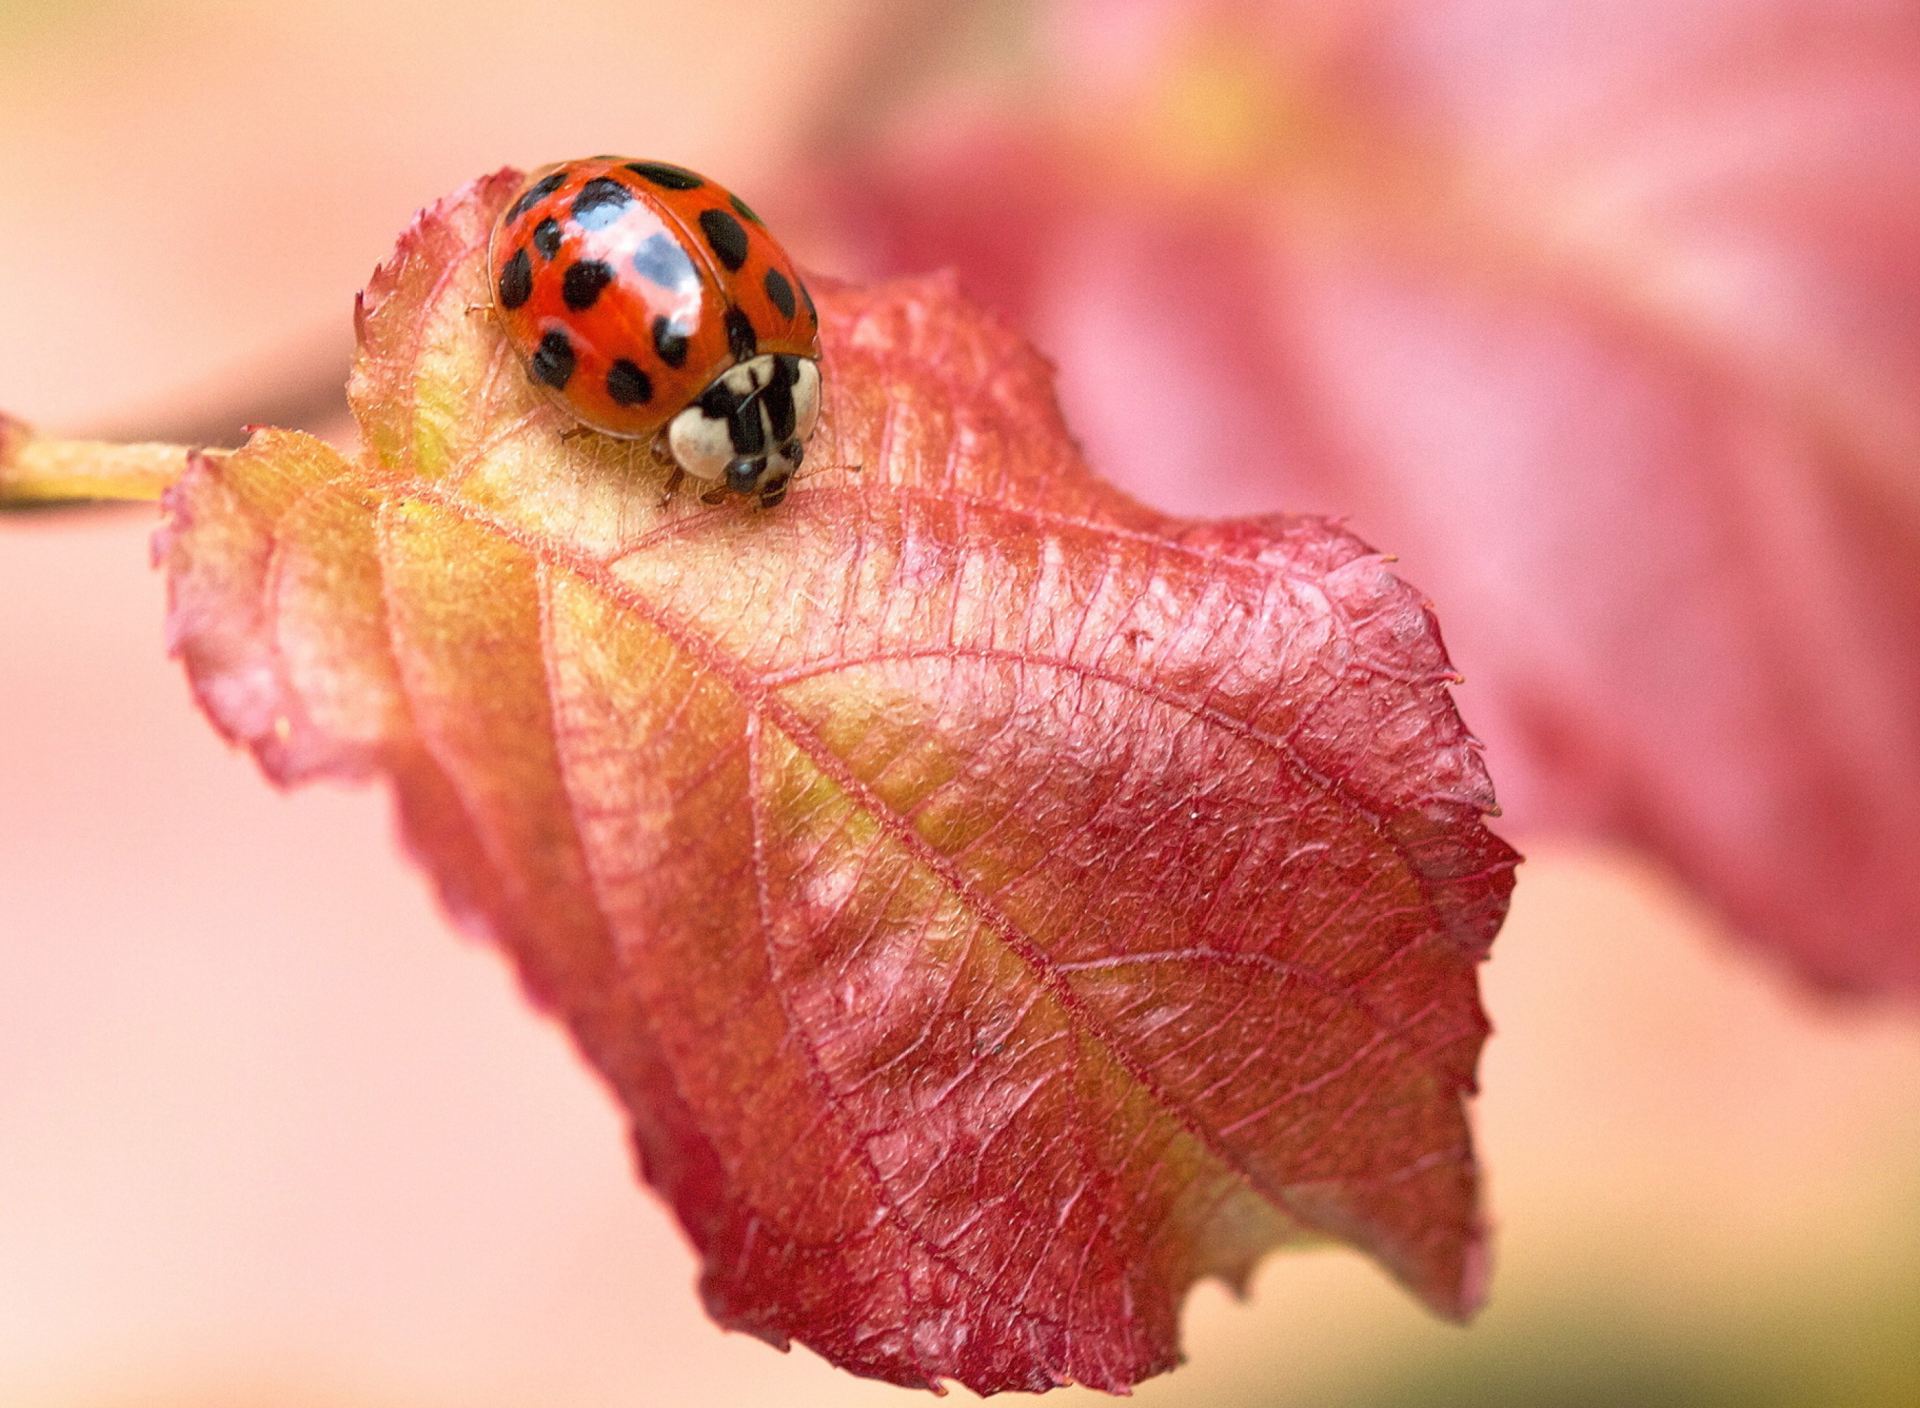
(995,904)
(1605,319)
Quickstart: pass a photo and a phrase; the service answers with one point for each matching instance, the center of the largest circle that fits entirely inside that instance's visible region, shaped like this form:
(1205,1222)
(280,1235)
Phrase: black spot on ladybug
(661,260)
(601,202)
(742,340)
(726,236)
(746,429)
(780,291)
(670,342)
(516,280)
(583,282)
(671,178)
(546,237)
(778,399)
(807,299)
(717,402)
(553,359)
(536,193)
(745,211)
(628,385)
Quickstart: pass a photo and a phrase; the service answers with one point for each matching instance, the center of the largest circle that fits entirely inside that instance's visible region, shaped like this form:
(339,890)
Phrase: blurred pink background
(270,1133)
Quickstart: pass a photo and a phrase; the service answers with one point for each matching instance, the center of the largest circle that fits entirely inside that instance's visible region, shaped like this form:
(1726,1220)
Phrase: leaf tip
(1476,1275)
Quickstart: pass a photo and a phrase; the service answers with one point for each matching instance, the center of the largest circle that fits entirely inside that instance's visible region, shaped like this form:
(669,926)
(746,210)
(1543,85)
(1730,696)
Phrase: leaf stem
(36,472)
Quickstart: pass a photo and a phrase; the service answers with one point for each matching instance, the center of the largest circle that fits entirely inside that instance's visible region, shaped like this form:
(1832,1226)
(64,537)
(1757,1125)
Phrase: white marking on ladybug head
(806,400)
(699,444)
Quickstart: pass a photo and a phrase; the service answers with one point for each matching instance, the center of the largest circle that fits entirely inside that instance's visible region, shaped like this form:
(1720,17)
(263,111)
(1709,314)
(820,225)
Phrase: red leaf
(1606,319)
(995,904)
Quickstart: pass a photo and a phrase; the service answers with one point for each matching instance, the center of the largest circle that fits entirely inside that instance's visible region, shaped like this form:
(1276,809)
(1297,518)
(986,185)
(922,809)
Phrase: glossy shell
(628,287)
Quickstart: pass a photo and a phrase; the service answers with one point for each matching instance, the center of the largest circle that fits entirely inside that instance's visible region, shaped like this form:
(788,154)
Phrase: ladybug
(650,304)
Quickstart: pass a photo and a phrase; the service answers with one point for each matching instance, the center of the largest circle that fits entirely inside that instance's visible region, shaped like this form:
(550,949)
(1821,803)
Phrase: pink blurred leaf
(1605,319)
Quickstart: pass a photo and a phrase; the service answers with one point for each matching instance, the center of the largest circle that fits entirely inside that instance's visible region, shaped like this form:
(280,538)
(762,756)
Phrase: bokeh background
(270,1133)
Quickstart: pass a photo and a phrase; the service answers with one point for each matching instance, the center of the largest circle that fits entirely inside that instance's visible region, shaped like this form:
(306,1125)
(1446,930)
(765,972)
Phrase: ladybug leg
(814,469)
(714,496)
(674,481)
(576,432)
